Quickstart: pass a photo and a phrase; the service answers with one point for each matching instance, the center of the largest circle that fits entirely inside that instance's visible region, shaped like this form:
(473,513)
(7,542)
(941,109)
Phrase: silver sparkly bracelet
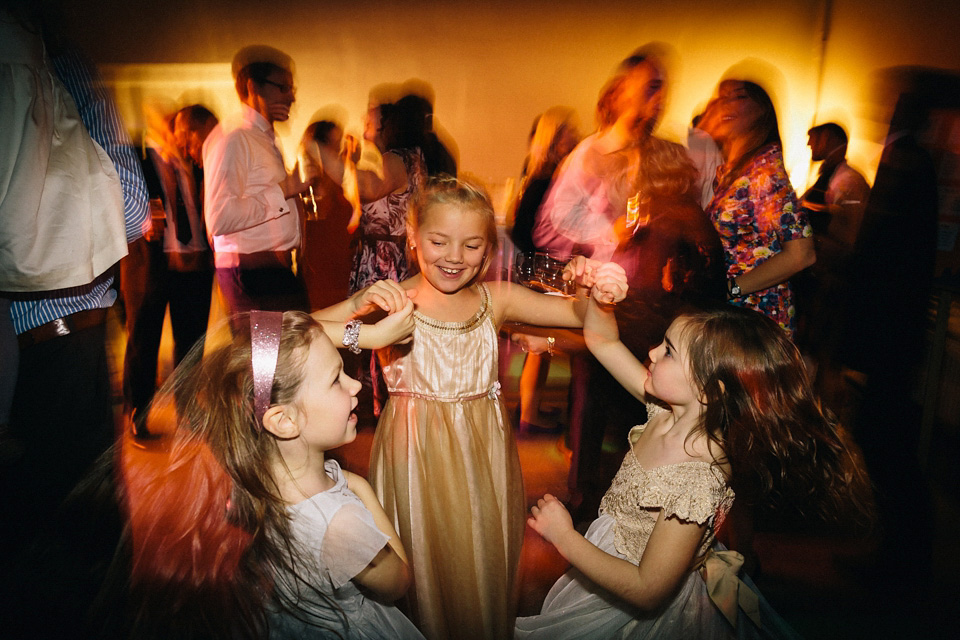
(351,335)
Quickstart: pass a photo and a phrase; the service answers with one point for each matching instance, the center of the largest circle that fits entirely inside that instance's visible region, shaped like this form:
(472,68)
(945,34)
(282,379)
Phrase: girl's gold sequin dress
(445,466)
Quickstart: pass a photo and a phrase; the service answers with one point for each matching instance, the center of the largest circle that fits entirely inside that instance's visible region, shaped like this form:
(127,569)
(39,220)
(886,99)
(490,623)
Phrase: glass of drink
(309,165)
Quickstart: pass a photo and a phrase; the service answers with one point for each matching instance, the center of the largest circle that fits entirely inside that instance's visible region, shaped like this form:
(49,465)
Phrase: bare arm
(516,303)
(519,304)
(535,339)
(602,336)
(387,575)
(370,185)
(666,560)
(796,256)
(395,328)
(387,295)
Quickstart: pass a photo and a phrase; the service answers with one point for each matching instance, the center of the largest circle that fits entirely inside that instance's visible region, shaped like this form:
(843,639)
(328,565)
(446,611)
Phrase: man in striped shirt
(61,416)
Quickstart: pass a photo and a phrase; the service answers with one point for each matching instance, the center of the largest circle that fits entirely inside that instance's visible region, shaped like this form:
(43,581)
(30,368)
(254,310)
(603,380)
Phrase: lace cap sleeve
(654,409)
(702,494)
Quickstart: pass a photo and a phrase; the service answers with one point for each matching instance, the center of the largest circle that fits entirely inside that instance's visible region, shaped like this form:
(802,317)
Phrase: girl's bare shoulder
(501,292)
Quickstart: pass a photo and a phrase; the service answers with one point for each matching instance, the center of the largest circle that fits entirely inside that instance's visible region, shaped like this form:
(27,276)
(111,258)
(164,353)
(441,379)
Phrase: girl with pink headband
(240,526)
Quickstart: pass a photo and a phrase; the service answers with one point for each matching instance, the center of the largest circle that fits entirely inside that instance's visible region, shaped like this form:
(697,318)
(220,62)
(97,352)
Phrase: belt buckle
(60,327)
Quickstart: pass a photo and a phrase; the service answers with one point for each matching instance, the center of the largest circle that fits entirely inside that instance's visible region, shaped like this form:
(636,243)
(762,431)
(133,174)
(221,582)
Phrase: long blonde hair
(464,193)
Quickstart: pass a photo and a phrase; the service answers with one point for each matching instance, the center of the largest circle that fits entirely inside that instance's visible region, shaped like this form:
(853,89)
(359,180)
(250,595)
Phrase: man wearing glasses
(250,199)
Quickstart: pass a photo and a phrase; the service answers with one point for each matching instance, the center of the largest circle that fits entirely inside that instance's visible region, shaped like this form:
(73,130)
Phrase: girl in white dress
(729,401)
(239,525)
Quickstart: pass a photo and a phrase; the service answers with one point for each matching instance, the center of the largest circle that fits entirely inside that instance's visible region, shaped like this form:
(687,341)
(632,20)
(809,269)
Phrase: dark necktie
(817,194)
(198,199)
(184,234)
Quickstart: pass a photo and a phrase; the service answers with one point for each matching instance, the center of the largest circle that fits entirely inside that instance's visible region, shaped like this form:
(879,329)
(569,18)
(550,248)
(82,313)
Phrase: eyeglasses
(284,88)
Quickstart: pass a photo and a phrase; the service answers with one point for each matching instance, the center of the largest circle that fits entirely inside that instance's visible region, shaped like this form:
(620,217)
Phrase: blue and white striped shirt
(102,120)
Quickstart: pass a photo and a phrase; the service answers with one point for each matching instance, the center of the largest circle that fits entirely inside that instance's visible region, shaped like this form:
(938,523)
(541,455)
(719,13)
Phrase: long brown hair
(212,550)
(760,409)
(765,132)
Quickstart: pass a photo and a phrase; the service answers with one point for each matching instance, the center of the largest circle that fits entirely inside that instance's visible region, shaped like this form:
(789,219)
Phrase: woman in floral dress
(765,234)
(379,221)
(380,229)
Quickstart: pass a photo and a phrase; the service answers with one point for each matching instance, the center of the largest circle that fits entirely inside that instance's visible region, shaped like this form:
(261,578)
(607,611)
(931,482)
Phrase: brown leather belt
(263,259)
(62,326)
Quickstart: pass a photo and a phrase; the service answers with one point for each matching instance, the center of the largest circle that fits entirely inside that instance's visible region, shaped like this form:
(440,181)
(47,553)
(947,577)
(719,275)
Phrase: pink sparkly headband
(265,329)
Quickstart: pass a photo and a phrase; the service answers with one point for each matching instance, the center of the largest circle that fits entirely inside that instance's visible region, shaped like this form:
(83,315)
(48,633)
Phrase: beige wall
(494,65)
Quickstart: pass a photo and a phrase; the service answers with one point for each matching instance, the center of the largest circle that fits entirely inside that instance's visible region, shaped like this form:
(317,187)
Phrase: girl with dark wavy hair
(729,404)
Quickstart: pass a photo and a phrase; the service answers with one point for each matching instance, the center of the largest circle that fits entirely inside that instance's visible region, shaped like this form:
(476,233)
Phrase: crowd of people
(697,289)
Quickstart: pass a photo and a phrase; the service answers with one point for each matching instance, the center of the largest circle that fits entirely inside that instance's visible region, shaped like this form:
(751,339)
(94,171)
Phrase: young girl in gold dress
(444,460)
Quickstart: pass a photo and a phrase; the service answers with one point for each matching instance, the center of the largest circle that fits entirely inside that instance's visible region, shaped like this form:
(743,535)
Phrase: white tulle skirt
(576,608)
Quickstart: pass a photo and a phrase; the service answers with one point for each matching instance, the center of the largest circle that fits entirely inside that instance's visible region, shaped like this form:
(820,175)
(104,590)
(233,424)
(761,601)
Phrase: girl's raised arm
(602,336)
(666,560)
(387,575)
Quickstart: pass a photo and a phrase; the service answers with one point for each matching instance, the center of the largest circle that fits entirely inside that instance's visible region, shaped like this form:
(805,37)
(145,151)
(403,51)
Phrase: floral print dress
(380,242)
(379,253)
(755,215)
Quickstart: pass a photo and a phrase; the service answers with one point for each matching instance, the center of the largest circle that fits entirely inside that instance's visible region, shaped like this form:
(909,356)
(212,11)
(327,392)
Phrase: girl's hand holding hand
(382,294)
(550,519)
(610,283)
(396,328)
(581,270)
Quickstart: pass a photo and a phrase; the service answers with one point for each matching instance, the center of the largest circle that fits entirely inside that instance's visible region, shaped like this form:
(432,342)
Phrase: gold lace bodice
(692,491)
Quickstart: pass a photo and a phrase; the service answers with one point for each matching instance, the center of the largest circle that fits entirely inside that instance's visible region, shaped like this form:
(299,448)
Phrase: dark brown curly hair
(760,409)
